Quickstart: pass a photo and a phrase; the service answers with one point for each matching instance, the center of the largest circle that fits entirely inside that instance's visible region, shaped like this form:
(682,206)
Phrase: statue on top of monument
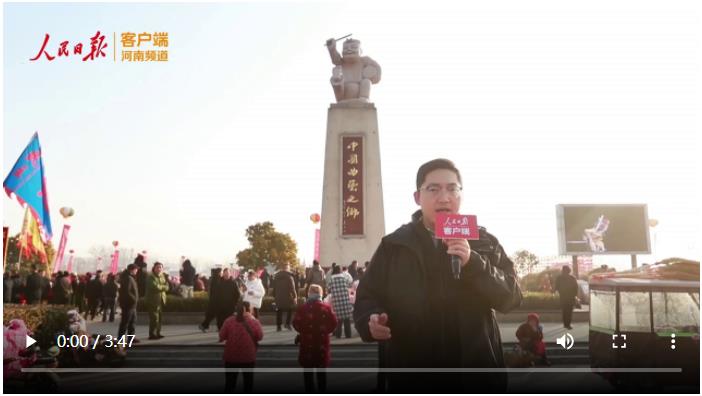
(352,74)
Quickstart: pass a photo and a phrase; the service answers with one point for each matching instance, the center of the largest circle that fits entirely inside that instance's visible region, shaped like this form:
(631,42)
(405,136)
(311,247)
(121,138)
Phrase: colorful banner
(115,262)
(28,182)
(316,244)
(58,260)
(30,239)
(352,186)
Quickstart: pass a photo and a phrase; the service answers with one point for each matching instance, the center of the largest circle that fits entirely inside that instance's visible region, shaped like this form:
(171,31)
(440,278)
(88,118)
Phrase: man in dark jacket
(285,296)
(93,293)
(567,288)
(424,318)
(227,296)
(34,287)
(215,277)
(142,273)
(128,297)
(109,297)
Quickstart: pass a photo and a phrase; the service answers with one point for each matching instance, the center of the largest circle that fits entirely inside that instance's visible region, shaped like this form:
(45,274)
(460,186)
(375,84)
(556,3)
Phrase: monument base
(357,121)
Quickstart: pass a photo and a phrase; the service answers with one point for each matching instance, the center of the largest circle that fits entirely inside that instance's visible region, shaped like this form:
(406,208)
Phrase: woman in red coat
(315,321)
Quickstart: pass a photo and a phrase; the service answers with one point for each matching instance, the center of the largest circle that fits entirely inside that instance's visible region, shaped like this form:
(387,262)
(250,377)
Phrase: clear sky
(538,103)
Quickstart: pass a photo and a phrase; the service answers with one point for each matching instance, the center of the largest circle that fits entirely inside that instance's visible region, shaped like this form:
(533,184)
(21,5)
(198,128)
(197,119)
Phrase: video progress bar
(354,370)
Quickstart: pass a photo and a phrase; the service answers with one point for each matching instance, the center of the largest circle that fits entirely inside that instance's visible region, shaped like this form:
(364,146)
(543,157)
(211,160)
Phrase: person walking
(128,297)
(155,299)
(567,288)
(339,290)
(315,321)
(109,297)
(242,334)
(227,297)
(254,292)
(285,296)
(210,313)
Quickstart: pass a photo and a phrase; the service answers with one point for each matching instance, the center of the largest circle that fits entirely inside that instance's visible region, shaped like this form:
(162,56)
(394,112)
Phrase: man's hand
(378,327)
(460,248)
(331,43)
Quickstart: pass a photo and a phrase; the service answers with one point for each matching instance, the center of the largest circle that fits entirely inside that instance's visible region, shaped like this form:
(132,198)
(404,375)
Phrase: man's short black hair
(439,163)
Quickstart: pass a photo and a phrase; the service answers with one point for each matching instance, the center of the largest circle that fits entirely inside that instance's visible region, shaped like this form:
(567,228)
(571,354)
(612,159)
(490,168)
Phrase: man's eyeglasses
(435,190)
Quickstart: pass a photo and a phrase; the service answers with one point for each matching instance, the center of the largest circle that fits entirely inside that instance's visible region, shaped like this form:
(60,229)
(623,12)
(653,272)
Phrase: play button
(29,341)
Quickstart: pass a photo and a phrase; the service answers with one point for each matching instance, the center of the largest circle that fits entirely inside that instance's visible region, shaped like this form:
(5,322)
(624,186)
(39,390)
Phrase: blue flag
(26,180)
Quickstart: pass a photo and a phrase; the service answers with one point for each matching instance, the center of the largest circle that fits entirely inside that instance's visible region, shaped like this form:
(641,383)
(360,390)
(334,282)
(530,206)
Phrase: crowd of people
(235,300)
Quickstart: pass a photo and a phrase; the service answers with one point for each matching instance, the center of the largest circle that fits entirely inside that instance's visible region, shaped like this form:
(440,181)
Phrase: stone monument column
(353,220)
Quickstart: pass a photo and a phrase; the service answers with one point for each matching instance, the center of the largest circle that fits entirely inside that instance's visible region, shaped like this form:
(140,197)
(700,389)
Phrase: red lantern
(315,217)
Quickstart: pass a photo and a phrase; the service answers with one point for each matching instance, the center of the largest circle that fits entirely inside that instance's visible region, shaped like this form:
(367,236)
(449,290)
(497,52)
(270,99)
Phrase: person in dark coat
(62,289)
(285,296)
(142,273)
(33,289)
(93,293)
(128,297)
(226,297)
(45,286)
(567,288)
(315,321)
(80,295)
(18,287)
(74,287)
(410,301)
(7,284)
(187,278)
(353,270)
(109,297)
(316,276)
(215,277)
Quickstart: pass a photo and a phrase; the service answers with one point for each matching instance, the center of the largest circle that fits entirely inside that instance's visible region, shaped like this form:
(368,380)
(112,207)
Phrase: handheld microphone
(456,266)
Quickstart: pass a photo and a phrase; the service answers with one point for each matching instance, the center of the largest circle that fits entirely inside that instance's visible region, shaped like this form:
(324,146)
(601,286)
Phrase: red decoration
(315,217)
